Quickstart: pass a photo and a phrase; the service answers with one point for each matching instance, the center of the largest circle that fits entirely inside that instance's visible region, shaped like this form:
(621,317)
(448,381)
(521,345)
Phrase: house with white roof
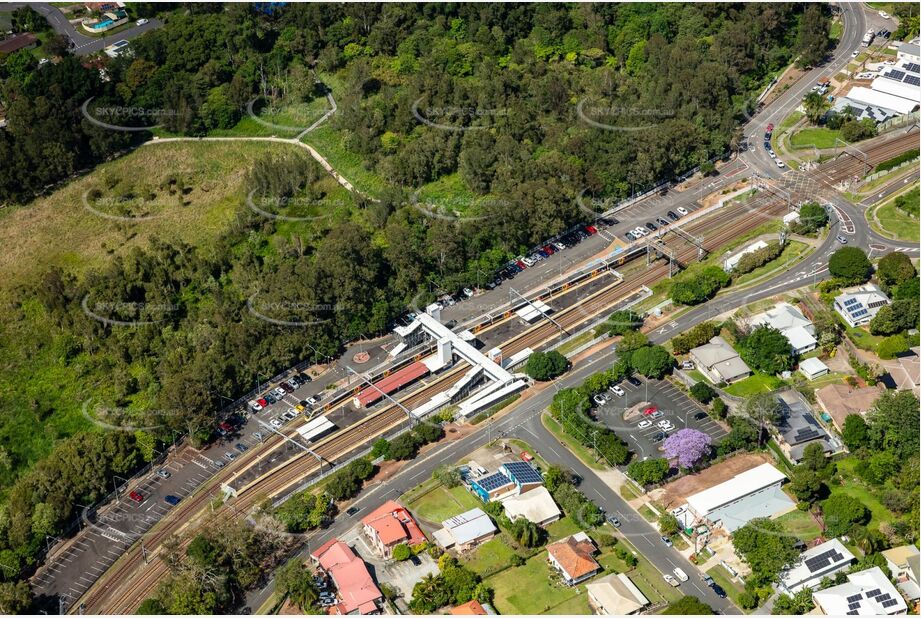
(903,563)
(537,506)
(615,595)
(813,368)
(791,323)
(859,305)
(466,530)
(719,361)
(748,495)
(866,593)
(814,564)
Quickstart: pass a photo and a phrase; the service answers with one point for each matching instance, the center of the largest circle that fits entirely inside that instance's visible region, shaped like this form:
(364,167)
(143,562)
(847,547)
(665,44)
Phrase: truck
(868,38)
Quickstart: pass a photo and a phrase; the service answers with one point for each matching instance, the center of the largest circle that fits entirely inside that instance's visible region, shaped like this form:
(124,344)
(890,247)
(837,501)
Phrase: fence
(882,173)
(898,121)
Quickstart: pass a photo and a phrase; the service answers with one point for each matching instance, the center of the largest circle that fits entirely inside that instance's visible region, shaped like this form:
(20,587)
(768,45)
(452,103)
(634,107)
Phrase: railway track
(137,580)
(850,165)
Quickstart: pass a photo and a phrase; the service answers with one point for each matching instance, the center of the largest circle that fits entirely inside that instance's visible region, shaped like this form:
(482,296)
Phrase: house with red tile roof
(574,558)
(356,591)
(471,608)
(389,525)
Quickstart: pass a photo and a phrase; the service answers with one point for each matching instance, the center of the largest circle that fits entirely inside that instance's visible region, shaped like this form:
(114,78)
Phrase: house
(523,474)
(471,608)
(813,368)
(615,595)
(866,593)
(574,558)
(389,525)
(719,361)
(536,506)
(356,591)
(790,217)
(841,400)
(24,40)
(492,487)
(857,306)
(731,262)
(798,428)
(907,374)
(909,52)
(814,564)
(748,495)
(791,323)
(466,530)
(903,566)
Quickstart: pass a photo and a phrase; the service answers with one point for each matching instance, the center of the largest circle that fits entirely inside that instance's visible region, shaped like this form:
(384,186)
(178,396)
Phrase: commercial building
(749,495)
(815,563)
(537,506)
(466,530)
(719,361)
(791,323)
(861,304)
(615,595)
(574,558)
(356,591)
(390,525)
(903,563)
(798,428)
(866,593)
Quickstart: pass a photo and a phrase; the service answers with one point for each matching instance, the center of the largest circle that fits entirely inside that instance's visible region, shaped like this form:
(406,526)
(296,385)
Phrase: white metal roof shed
(882,99)
(741,485)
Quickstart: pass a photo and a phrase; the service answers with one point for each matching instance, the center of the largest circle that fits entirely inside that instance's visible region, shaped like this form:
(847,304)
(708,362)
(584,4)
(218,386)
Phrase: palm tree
(815,105)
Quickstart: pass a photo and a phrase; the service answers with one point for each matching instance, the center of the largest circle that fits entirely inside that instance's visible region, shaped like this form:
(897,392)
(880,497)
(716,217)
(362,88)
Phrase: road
(82,44)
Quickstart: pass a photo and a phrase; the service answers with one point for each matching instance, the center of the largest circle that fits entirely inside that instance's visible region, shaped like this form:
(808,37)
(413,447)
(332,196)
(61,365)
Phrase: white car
(680,574)
(644,424)
(254,405)
(599,399)
(528,261)
(884,14)
(772,154)
(559,245)
(468,292)
(312,401)
(781,164)
(682,211)
(665,425)
(641,231)
(855,53)
(276,423)
(617,390)
(141,22)
(671,580)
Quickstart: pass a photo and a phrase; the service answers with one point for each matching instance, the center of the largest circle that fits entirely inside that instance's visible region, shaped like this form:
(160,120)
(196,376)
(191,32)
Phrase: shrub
(890,347)
(719,408)
(755,259)
(702,392)
(401,552)
(697,336)
(543,366)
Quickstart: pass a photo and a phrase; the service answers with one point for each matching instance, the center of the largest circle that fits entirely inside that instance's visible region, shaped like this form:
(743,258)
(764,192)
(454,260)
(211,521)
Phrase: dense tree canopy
(850,264)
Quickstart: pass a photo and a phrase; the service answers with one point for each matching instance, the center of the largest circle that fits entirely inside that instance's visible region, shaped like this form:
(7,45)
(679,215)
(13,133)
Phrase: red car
(136,497)
(591,229)
(650,410)
(526,456)
(226,426)
(770,128)
(549,250)
(262,402)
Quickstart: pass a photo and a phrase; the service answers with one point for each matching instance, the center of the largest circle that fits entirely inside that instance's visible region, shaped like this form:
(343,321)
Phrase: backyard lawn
(490,557)
(856,487)
(800,524)
(440,503)
(862,338)
(528,589)
(756,383)
(732,588)
(562,527)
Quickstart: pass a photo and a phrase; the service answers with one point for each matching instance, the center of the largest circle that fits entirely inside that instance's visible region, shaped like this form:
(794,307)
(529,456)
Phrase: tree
(764,408)
(702,392)
(766,547)
(696,336)
(296,581)
(895,318)
(632,340)
(404,446)
(669,524)
(815,105)
(381,448)
(543,366)
(767,350)
(812,39)
(15,597)
(448,475)
(719,408)
(648,471)
(892,413)
(850,264)
(426,433)
(687,606)
(797,605)
(401,552)
(150,607)
(688,446)
(894,269)
(892,346)
(652,361)
(554,476)
(806,485)
(841,512)
(812,217)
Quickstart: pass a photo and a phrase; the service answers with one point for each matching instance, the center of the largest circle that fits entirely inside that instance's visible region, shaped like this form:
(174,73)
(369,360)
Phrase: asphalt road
(82,44)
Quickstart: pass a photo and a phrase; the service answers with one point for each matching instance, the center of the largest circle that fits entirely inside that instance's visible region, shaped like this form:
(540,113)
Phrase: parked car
(701,416)
(229,456)
(218,463)
(633,380)
(258,435)
(781,164)
(655,439)
(667,541)
(141,21)
(617,390)
(661,221)
(671,215)
(644,424)
(163,473)
(171,499)
(680,574)
(270,398)
(682,211)
(136,496)
(262,403)
(629,236)
(671,580)
(255,406)
(276,423)
(614,521)
(651,226)
(664,424)
(650,410)
(687,364)
(657,414)
(241,447)
(718,590)
(313,400)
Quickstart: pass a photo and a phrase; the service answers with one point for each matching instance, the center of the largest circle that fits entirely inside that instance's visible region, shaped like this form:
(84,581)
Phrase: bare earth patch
(676,493)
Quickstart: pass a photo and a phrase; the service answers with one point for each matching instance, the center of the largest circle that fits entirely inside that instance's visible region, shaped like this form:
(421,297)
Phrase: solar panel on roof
(853,605)
(890,603)
(884,597)
(850,301)
(896,75)
(912,67)
(493,481)
(874,593)
(852,613)
(523,472)
(854,597)
(913,80)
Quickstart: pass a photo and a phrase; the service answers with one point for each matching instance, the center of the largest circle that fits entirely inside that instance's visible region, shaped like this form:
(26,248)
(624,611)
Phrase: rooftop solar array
(912,67)
(874,593)
(824,560)
(493,481)
(890,603)
(523,472)
(896,75)
(913,80)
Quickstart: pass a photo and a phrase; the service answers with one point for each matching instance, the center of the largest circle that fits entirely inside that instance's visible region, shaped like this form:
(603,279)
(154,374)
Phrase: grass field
(328,143)
(440,503)
(896,222)
(800,524)
(818,137)
(756,383)
(721,577)
(562,527)
(528,589)
(862,338)
(854,486)
(490,557)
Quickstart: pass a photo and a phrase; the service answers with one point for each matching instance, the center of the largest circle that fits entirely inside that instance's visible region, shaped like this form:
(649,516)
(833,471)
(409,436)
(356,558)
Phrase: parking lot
(672,406)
